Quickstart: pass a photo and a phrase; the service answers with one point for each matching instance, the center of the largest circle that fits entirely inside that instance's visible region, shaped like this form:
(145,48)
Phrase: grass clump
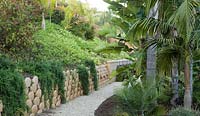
(93,72)
(84,78)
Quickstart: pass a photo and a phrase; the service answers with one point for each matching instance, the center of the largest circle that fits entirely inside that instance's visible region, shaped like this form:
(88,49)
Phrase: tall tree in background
(179,24)
(79,19)
(151,50)
(172,25)
(47,6)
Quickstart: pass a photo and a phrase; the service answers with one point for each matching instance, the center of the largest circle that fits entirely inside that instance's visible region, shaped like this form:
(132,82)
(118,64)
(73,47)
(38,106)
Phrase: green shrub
(90,33)
(166,94)
(93,72)
(107,31)
(12,89)
(6,63)
(140,97)
(159,110)
(84,78)
(57,71)
(122,114)
(196,84)
(124,72)
(58,16)
(55,43)
(18,21)
(49,74)
(196,92)
(12,93)
(81,28)
(183,112)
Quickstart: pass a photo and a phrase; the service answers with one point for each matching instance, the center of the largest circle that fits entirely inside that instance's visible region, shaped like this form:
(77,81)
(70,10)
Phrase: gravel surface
(84,105)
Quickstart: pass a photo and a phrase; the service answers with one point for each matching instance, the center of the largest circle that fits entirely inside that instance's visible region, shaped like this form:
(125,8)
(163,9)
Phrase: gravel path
(84,105)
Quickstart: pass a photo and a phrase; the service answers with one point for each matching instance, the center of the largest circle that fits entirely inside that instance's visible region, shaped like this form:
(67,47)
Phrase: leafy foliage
(140,96)
(50,75)
(58,16)
(79,19)
(12,89)
(84,78)
(55,43)
(106,31)
(6,63)
(196,84)
(166,94)
(18,21)
(57,70)
(90,33)
(180,111)
(124,73)
(81,28)
(93,72)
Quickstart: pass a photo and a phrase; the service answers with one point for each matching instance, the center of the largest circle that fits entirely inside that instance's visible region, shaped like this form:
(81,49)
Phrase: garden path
(84,105)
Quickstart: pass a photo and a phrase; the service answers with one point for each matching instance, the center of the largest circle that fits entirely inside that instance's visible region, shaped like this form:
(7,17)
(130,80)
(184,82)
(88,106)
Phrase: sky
(100,5)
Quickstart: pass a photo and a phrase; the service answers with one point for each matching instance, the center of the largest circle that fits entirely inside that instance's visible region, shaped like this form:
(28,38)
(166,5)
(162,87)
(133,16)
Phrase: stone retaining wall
(35,98)
(103,74)
(35,101)
(113,64)
(73,87)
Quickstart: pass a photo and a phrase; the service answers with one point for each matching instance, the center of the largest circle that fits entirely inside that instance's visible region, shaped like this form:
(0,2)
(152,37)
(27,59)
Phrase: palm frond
(184,18)
(149,5)
(165,58)
(151,26)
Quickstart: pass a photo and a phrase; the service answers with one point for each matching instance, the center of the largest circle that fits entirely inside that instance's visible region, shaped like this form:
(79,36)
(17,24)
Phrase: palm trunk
(191,76)
(151,51)
(56,5)
(151,62)
(174,81)
(43,21)
(187,96)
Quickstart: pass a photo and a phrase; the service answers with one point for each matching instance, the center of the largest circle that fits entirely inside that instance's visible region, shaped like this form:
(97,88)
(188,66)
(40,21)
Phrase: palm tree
(179,25)
(158,7)
(185,30)
(175,22)
(169,61)
(151,50)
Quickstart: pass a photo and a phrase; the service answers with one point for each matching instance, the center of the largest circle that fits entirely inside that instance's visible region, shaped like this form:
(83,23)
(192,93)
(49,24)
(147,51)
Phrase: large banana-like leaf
(113,49)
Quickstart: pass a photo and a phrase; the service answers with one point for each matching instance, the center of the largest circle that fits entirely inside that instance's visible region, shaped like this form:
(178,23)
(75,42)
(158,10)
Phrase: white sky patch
(100,5)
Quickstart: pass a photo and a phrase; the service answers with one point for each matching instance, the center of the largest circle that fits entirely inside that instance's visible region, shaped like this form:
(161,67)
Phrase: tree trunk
(191,76)
(174,81)
(151,51)
(43,21)
(56,5)
(187,96)
(151,62)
